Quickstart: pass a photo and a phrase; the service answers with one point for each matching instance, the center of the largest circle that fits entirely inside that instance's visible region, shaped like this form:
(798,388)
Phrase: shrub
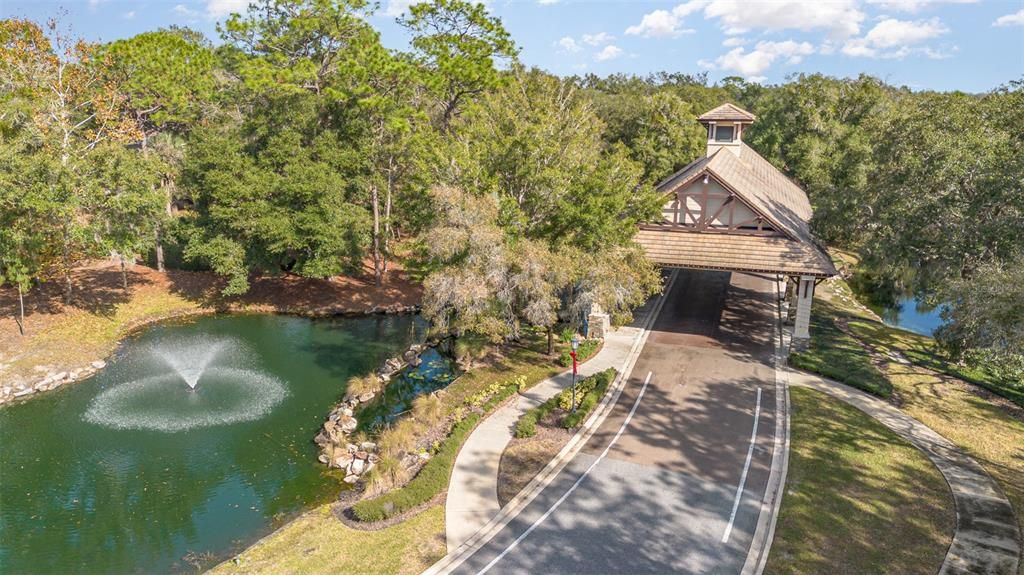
(586,349)
(428,410)
(566,334)
(398,439)
(589,391)
(598,385)
(527,424)
(360,384)
(431,480)
(470,346)
(385,475)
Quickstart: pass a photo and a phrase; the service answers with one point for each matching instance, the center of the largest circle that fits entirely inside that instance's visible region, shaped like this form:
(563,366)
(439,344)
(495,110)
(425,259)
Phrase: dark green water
(131,471)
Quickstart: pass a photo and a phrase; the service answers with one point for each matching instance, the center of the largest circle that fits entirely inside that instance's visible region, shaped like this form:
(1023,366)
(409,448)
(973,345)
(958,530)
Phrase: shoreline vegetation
(386,518)
(67,342)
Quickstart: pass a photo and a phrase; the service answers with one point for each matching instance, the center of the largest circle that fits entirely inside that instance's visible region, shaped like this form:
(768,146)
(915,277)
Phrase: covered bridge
(732,210)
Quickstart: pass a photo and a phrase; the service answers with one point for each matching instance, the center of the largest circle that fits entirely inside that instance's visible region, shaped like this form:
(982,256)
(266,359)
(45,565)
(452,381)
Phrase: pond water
(133,471)
(911,314)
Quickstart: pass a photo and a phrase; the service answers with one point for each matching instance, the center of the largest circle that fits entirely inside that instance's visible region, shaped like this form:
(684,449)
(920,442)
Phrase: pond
(195,441)
(910,313)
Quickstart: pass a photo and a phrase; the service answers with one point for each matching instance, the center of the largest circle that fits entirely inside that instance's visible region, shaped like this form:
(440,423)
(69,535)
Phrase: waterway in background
(911,314)
(133,472)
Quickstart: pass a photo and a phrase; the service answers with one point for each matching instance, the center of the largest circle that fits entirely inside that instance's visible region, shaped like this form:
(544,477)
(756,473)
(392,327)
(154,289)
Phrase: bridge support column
(804,297)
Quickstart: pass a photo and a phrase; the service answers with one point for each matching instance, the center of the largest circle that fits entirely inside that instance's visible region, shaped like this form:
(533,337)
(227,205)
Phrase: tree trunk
(377,264)
(551,341)
(387,217)
(159,251)
(124,274)
(21,310)
(66,261)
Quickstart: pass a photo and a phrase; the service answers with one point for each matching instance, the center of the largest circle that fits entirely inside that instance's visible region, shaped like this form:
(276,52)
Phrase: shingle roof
(767,191)
(727,113)
(760,184)
(674,247)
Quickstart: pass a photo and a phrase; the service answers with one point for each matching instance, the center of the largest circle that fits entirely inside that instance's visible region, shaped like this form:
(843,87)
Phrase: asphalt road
(658,494)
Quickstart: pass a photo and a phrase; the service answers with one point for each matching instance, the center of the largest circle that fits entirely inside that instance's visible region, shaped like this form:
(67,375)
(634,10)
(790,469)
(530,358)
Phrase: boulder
(322,458)
(98,364)
(351,478)
(363,398)
(369,466)
(346,411)
(60,376)
(362,455)
(368,446)
(342,461)
(23,392)
(358,466)
(352,448)
(348,424)
(373,458)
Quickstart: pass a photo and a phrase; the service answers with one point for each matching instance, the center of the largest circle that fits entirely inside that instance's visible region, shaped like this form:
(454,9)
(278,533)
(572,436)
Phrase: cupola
(725,125)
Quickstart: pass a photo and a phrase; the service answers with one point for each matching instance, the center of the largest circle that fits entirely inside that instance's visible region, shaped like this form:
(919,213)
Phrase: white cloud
(751,65)
(664,23)
(610,52)
(568,44)
(914,5)
(129,15)
(598,39)
(396,8)
(733,41)
(1015,19)
(542,2)
(841,18)
(893,38)
(185,11)
(221,8)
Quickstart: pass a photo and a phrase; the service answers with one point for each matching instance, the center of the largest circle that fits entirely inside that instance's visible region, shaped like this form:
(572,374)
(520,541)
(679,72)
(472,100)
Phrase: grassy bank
(317,542)
(859,499)
(990,429)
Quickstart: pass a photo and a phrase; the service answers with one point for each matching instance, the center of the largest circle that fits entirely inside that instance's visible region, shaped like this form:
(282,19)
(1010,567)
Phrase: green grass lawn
(950,406)
(317,542)
(839,356)
(859,499)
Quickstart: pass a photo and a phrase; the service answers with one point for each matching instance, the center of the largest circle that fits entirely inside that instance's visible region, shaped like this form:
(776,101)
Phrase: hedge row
(591,398)
(589,391)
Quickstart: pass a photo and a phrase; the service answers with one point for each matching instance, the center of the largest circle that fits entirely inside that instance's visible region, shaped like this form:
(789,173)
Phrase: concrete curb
(986,539)
(455,558)
(764,533)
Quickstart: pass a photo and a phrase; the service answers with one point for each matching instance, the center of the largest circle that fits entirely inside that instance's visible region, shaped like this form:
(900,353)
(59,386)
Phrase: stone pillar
(804,297)
(598,323)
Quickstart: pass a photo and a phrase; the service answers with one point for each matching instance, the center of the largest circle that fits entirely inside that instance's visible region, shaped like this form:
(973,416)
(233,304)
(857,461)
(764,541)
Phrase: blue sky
(924,44)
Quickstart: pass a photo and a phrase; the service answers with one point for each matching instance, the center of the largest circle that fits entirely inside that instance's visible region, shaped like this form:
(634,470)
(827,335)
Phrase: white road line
(569,491)
(746,467)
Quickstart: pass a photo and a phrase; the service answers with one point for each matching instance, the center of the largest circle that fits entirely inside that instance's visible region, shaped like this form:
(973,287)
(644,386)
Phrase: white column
(804,297)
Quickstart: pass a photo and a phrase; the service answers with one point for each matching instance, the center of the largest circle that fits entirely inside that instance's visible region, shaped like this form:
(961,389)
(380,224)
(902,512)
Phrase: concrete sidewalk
(472,498)
(986,539)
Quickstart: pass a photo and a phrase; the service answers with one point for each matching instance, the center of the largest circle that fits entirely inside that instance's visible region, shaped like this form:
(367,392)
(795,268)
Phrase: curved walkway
(986,539)
(472,499)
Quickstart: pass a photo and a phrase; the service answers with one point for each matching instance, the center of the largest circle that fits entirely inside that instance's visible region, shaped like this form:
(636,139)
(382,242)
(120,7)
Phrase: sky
(969,45)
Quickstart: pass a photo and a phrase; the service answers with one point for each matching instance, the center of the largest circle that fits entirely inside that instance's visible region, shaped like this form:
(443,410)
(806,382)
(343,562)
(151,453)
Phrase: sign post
(575,346)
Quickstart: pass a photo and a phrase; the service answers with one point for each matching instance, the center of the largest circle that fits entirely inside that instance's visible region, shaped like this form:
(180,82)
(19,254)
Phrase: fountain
(190,360)
(230,393)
